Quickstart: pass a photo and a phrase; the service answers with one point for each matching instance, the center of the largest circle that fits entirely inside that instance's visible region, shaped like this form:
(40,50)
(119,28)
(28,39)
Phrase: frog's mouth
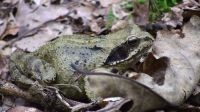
(129,50)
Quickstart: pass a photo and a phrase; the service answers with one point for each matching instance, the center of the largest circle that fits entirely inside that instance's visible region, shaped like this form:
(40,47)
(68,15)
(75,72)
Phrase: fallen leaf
(100,87)
(106,3)
(119,25)
(99,12)
(2,43)
(24,109)
(182,73)
(11,29)
(121,104)
(118,11)
(3,25)
(46,34)
(85,13)
(94,27)
(33,16)
(42,2)
(184,10)
(5,10)
(174,18)
(141,13)
(156,68)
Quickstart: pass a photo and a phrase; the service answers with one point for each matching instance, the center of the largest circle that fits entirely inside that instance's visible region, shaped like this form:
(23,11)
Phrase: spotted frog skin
(50,64)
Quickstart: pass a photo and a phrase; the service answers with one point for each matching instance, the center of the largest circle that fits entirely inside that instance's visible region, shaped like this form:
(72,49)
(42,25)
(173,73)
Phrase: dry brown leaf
(174,18)
(24,109)
(11,29)
(156,68)
(117,104)
(85,13)
(46,34)
(3,25)
(106,3)
(94,27)
(182,73)
(118,11)
(184,10)
(11,1)
(119,25)
(99,12)
(32,16)
(99,87)
(5,10)
(2,43)
(29,17)
(42,2)
(141,13)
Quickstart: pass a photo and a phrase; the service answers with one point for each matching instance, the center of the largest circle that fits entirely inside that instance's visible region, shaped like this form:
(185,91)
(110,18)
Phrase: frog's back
(79,49)
(85,51)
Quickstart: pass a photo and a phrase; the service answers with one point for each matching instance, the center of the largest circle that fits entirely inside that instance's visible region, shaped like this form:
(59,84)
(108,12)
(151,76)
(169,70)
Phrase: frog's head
(130,51)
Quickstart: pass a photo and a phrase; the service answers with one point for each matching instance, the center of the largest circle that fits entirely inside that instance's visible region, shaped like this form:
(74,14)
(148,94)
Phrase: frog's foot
(49,96)
(72,91)
(68,87)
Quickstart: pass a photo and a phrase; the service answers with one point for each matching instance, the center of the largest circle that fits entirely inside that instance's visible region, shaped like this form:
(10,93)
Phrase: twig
(43,97)
(47,96)
(8,88)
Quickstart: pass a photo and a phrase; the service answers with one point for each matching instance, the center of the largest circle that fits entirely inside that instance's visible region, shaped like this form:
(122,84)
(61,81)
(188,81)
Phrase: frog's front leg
(21,80)
(26,69)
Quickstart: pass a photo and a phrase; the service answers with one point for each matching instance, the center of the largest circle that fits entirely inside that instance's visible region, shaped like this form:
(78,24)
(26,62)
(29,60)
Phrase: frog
(51,63)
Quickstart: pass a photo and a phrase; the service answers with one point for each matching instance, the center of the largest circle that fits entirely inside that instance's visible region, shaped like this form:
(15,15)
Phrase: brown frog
(50,64)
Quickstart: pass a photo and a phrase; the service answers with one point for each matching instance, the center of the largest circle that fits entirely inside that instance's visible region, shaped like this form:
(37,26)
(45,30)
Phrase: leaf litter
(178,56)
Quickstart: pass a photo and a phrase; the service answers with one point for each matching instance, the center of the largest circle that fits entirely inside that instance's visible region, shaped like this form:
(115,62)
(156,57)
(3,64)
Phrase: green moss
(142,1)
(158,7)
(127,5)
(110,19)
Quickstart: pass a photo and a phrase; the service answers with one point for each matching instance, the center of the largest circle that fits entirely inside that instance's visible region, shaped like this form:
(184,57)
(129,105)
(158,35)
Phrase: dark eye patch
(122,52)
(116,54)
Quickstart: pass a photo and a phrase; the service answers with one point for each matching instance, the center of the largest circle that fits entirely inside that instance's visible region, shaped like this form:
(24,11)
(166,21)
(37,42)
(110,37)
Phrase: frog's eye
(132,43)
(131,37)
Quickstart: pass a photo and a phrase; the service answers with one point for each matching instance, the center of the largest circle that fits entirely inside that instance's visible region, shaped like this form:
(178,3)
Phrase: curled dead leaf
(156,68)
(24,109)
(106,3)
(182,73)
(99,87)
